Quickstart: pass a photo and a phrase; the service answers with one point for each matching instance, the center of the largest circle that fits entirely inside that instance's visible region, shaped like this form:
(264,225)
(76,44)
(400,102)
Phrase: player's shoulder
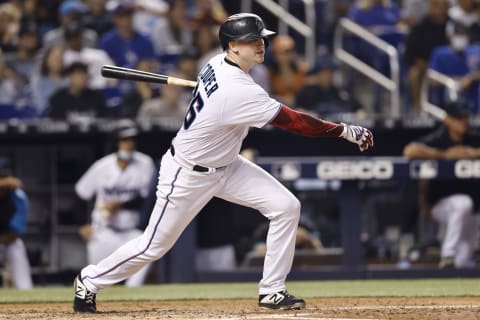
(105,161)
(142,158)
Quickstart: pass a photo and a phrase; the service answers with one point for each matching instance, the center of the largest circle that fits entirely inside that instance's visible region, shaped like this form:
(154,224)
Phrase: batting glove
(358,135)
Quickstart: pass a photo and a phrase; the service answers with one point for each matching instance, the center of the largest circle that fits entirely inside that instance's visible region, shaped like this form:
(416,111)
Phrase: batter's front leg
(249,185)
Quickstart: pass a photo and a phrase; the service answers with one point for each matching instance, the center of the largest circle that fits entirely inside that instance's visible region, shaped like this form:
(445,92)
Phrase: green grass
(306,289)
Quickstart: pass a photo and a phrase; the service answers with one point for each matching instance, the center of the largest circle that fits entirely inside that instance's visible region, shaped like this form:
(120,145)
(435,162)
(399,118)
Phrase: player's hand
(358,135)
(85,232)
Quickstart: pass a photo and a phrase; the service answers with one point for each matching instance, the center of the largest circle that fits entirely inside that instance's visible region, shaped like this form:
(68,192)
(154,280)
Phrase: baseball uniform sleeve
(18,223)
(250,105)
(86,187)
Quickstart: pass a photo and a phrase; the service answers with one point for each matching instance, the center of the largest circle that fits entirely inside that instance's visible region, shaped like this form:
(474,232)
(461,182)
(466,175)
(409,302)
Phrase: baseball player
(203,161)
(451,203)
(13,224)
(119,182)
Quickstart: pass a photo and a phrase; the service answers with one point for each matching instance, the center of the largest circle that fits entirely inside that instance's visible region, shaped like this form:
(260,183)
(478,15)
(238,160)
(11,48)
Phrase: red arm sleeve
(305,124)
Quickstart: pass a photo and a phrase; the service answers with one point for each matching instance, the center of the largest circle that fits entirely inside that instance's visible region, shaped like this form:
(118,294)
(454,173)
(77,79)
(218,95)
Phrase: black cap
(458,109)
(126,129)
(321,64)
(124,7)
(76,66)
(73,29)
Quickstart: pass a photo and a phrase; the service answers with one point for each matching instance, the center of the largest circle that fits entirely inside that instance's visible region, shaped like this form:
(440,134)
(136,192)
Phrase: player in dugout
(203,161)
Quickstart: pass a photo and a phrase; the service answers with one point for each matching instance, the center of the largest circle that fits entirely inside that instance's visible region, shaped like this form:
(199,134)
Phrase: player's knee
(464,205)
(293,207)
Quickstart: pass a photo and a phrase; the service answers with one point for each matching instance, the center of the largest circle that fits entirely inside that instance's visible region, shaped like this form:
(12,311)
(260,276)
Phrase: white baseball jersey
(108,182)
(212,135)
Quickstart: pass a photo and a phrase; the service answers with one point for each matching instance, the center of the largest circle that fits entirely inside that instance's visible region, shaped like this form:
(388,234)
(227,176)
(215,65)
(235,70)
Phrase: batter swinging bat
(137,75)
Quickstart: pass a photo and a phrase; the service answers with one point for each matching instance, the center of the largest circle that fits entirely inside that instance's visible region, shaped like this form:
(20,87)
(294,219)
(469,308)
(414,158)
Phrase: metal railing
(392,84)
(451,84)
(286,19)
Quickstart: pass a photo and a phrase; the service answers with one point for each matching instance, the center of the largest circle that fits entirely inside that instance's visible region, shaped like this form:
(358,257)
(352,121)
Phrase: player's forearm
(305,124)
(421,151)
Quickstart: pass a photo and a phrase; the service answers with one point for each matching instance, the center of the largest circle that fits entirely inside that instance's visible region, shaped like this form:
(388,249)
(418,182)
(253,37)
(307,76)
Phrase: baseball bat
(137,75)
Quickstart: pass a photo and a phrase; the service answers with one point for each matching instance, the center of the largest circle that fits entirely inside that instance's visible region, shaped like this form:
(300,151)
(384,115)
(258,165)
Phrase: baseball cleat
(280,300)
(84,299)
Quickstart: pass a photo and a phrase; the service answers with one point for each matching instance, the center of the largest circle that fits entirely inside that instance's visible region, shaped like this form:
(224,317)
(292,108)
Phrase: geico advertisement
(466,169)
(362,169)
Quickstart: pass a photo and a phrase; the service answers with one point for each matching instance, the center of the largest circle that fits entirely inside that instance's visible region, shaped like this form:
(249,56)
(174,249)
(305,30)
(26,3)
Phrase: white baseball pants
(105,241)
(456,213)
(15,254)
(181,193)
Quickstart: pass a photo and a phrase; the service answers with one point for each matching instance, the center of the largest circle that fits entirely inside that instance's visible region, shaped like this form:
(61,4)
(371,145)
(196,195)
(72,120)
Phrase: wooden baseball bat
(137,75)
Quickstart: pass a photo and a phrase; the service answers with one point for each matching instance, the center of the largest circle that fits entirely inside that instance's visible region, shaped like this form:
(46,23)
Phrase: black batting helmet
(242,26)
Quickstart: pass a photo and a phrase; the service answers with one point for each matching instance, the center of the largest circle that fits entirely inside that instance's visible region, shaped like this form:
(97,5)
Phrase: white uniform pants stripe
(181,195)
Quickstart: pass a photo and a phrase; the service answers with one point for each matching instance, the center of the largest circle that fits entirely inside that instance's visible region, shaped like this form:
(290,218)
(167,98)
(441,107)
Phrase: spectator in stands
(413,11)
(70,10)
(125,46)
(75,51)
(13,224)
(381,17)
(286,71)
(97,17)
(25,58)
(426,35)
(474,29)
(48,79)
(322,96)
(463,12)
(171,105)
(148,13)
(9,25)
(24,62)
(172,35)
(459,60)
(10,84)
(187,64)
(208,12)
(450,203)
(374,14)
(205,39)
(77,102)
(141,92)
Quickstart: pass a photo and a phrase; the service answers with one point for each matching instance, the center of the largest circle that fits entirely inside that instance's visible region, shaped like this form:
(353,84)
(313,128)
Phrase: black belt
(195,167)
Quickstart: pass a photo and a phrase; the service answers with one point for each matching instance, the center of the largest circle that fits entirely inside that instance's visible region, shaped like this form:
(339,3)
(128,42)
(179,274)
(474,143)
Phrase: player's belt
(195,167)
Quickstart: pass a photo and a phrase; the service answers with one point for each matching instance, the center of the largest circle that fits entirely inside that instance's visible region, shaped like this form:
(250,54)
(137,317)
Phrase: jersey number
(195,106)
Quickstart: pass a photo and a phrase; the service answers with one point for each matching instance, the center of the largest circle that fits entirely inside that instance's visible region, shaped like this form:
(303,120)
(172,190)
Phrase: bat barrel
(132,74)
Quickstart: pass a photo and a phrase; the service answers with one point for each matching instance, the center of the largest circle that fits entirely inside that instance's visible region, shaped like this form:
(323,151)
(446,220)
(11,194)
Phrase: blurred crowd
(52,52)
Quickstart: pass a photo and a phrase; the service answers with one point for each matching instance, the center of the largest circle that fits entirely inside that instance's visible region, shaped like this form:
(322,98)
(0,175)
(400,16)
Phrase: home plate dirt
(444,308)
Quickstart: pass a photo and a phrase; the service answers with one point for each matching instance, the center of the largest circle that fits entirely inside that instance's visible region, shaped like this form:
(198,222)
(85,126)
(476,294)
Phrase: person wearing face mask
(119,184)
(461,61)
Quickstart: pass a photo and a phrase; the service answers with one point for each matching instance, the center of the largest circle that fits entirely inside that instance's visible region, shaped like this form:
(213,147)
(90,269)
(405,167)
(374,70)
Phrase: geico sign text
(467,169)
(367,169)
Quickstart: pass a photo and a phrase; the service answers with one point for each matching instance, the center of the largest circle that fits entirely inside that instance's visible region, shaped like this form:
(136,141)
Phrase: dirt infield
(464,308)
